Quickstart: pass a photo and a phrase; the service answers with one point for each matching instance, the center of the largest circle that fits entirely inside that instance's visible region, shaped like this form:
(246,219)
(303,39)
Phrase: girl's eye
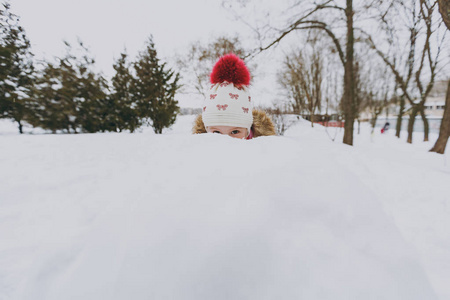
(235,132)
(216,131)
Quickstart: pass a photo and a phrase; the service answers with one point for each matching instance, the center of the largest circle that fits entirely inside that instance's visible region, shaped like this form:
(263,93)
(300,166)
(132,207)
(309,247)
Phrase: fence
(434,123)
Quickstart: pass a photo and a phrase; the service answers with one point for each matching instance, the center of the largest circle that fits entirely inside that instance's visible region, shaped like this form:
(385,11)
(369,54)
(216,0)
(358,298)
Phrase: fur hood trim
(262,124)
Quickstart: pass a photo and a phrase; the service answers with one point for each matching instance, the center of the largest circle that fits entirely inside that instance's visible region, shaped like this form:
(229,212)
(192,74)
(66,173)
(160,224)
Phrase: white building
(434,107)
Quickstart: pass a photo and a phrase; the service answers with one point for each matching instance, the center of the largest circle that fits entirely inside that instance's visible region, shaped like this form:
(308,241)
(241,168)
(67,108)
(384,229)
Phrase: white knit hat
(228,102)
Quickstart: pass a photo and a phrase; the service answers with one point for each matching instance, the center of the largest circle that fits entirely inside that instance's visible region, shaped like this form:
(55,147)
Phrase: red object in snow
(230,68)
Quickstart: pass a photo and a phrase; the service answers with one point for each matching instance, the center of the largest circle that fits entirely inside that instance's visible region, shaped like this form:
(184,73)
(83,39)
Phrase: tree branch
(316,25)
(432,65)
(397,75)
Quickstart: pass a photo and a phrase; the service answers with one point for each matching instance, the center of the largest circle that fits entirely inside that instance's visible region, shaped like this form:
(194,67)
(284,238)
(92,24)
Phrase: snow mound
(176,216)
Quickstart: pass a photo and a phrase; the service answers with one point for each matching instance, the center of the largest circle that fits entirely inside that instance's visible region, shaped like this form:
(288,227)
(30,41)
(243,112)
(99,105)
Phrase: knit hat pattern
(228,102)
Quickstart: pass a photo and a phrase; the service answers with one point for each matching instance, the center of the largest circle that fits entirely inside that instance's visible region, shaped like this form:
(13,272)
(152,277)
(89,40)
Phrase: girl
(228,108)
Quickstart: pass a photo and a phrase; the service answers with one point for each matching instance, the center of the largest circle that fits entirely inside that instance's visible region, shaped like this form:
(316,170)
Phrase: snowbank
(176,216)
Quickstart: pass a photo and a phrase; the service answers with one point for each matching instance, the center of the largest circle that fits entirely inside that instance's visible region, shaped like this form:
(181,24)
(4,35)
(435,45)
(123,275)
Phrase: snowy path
(413,186)
(176,216)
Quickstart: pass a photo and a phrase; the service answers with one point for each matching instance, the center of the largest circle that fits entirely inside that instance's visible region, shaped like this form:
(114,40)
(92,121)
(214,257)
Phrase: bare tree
(309,19)
(444,131)
(302,75)
(372,88)
(400,100)
(287,80)
(282,118)
(410,78)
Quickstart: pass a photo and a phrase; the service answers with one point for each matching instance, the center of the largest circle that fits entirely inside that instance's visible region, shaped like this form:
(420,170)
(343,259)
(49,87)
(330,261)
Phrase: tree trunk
(312,119)
(374,121)
(359,126)
(444,131)
(398,128)
(444,9)
(412,119)
(426,127)
(349,91)
(20,126)
(74,128)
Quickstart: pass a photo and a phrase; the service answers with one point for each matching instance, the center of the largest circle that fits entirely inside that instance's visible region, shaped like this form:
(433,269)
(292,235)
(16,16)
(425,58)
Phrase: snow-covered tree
(125,114)
(16,68)
(155,88)
(70,96)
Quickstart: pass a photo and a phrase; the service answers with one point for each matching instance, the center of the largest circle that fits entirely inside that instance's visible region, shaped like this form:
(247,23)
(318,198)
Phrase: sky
(107,27)
(110,26)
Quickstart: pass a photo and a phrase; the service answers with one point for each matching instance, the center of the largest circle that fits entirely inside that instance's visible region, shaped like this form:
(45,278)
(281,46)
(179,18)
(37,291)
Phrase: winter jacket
(262,124)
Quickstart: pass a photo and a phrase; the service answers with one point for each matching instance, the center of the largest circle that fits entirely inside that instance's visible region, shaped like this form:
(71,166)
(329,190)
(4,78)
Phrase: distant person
(385,127)
(228,108)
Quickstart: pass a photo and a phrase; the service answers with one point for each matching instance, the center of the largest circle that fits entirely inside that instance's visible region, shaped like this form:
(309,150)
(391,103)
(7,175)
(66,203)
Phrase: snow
(10,83)
(21,95)
(181,216)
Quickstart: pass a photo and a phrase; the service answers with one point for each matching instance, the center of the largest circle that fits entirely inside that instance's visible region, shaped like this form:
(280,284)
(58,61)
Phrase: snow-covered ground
(181,216)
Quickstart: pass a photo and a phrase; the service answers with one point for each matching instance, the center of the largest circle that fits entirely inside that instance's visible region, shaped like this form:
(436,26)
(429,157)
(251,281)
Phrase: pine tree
(56,95)
(95,106)
(154,89)
(16,72)
(69,96)
(48,105)
(125,114)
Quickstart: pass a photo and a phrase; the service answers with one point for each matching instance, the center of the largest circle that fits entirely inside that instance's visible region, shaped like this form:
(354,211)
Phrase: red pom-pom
(232,69)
